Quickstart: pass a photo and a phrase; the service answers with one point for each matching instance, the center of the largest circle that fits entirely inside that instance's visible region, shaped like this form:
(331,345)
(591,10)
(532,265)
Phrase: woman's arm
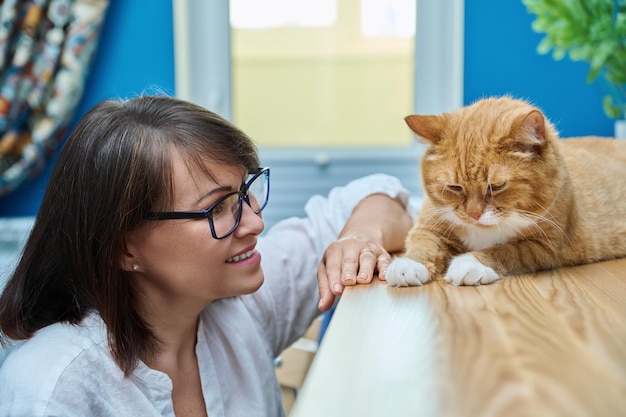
(371,209)
(377,226)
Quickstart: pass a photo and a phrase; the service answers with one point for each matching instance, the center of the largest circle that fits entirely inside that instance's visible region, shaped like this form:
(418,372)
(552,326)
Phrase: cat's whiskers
(442,215)
(450,227)
(503,229)
(535,219)
(523,221)
(543,218)
(546,212)
(437,217)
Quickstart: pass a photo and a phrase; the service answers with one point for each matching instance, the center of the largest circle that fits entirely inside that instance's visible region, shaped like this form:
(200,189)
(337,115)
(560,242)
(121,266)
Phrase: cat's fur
(505,196)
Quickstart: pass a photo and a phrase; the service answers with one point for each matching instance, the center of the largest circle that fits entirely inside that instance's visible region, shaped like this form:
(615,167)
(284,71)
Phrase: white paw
(466,270)
(405,272)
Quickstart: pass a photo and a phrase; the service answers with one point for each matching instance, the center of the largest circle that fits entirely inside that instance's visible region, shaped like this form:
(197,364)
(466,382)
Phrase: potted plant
(593,31)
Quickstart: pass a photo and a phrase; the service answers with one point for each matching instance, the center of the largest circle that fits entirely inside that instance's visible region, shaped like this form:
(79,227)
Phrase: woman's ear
(127,259)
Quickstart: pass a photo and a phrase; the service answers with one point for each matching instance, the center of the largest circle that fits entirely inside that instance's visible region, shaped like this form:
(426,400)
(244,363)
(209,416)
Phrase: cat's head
(493,164)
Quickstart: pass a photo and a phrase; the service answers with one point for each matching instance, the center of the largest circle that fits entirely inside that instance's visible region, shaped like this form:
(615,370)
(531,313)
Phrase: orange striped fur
(504,196)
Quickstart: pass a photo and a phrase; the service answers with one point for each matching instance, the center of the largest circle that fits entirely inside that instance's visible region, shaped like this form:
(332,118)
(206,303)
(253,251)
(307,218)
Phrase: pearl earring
(135,267)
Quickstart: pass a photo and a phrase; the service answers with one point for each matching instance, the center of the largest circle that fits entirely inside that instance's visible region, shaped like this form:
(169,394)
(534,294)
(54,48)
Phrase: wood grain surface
(547,344)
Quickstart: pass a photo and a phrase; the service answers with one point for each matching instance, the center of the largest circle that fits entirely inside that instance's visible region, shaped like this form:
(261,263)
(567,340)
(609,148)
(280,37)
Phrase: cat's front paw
(466,270)
(405,272)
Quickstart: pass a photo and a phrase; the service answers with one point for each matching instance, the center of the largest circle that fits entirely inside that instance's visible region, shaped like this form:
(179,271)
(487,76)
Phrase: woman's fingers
(347,262)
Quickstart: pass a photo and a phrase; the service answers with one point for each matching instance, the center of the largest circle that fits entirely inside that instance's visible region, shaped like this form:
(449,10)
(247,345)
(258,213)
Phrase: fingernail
(319,305)
(348,279)
(362,276)
(338,288)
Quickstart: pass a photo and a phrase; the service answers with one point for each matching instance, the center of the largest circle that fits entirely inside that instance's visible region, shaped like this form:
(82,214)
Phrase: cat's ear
(429,128)
(530,129)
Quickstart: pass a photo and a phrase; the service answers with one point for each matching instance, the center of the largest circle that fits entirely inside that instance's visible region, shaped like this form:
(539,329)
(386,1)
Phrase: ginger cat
(505,196)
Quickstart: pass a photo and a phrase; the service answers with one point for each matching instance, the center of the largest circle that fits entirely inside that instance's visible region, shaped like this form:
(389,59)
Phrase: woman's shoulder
(32,370)
(59,342)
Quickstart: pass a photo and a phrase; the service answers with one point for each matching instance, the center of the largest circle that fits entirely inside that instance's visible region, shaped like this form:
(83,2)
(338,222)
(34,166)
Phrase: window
(322,86)
(334,75)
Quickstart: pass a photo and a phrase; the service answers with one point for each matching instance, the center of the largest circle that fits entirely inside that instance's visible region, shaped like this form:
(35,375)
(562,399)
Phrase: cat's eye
(455,188)
(498,185)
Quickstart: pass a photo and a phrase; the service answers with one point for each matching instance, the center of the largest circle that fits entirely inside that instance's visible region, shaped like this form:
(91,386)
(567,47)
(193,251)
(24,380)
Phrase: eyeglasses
(225,214)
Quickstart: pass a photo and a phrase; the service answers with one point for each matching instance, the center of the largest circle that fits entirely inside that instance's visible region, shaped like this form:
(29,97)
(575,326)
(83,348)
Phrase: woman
(145,287)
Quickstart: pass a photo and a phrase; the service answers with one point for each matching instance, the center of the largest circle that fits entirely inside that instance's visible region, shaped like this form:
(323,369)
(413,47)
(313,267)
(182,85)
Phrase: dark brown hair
(114,168)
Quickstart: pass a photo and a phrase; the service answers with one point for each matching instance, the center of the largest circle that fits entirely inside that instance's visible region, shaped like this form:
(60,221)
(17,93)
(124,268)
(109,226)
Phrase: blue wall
(501,58)
(136,52)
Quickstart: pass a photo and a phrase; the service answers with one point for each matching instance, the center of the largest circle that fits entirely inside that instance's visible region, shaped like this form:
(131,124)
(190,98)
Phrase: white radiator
(298,175)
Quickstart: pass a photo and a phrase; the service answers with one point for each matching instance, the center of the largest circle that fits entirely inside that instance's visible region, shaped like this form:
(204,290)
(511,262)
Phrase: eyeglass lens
(257,193)
(226,215)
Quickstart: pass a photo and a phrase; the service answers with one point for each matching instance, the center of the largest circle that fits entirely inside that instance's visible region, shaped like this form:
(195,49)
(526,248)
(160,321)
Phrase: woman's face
(180,262)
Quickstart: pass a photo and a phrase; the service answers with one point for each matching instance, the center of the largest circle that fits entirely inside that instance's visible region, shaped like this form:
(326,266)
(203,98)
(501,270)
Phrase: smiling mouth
(241,257)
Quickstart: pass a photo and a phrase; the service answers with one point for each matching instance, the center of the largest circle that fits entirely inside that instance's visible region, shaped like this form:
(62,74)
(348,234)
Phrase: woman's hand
(377,225)
(349,261)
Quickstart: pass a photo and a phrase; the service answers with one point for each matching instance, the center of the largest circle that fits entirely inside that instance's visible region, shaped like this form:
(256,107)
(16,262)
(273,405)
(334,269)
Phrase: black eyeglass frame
(207,213)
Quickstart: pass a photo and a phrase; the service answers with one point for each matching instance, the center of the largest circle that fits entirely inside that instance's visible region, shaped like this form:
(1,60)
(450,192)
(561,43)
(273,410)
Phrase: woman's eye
(229,205)
(455,188)
(498,185)
(218,209)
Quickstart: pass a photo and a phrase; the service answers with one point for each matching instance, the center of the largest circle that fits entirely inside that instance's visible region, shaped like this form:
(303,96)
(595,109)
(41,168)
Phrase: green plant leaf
(612,110)
(592,31)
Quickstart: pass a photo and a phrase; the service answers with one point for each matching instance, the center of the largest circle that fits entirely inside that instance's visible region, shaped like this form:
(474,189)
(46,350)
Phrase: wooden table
(547,344)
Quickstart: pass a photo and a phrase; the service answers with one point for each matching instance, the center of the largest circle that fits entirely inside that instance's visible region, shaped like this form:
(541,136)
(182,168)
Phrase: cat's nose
(474,214)
(474,208)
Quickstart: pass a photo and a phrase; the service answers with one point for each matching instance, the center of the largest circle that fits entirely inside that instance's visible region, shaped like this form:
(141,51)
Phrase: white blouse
(67,370)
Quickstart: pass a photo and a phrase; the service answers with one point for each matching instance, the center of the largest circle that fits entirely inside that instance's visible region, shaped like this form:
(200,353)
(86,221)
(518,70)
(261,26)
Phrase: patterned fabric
(46,48)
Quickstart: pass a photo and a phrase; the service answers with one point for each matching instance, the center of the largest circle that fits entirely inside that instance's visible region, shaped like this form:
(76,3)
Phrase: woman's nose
(250,223)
